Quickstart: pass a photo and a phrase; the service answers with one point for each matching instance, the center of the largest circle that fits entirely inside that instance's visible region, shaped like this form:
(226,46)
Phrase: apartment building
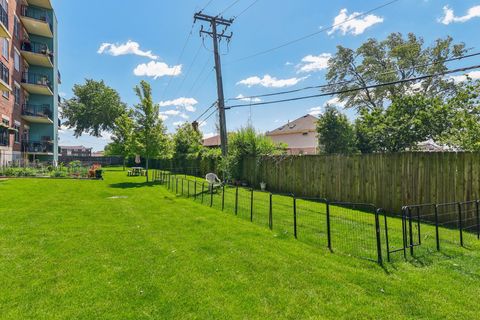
(29,80)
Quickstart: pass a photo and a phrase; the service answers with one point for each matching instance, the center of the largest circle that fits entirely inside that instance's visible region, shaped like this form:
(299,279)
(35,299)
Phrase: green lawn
(123,249)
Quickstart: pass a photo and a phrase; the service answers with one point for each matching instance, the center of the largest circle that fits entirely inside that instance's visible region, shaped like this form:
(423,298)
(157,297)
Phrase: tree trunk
(124,162)
(146,169)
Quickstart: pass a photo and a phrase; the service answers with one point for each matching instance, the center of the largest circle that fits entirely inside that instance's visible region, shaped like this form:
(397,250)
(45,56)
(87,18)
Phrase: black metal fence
(348,228)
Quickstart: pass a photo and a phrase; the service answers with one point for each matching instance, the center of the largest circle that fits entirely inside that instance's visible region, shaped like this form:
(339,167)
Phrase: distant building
(98,154)
(300,135)
(212,142)
(75,151)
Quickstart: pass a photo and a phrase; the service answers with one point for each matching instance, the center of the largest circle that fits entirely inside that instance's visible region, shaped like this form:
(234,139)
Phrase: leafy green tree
(93,109)
(247,142)
(123,136)
(336,134)
(408,121)
(395,58)
(187,144)
(152,140)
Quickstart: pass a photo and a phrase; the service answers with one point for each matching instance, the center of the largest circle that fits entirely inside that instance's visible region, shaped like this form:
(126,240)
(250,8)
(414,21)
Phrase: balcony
(37,113)
(47,4)
(38,148)
(37,21)
(36,53)
(36,83)
(4,24)
(4,78)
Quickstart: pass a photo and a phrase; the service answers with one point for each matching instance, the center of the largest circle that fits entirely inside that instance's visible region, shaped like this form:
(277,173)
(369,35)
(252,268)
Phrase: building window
(17,133)
(6,95)
(16,94)
(16,27)
(25,134)
(4,134)
(6,48)
(16,60)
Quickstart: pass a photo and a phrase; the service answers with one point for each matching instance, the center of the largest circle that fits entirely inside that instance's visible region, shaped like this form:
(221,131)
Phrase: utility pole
(214,22)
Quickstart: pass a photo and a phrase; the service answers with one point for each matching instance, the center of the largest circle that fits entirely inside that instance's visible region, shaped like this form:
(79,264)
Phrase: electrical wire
(245,10)
(204,112)
(206,6)
(229,7)
(356,89)
(350,81)
(189,69)
(313,33)
(208,117)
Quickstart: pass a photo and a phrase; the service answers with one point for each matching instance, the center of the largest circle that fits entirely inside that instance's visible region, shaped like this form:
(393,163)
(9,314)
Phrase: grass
(123,249)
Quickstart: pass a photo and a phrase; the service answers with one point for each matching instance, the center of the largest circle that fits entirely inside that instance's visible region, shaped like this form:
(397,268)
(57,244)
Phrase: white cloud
(183,103)
(449,15)
(270,82)
(178,123)
(163,117)
(474,75)
(312,63)
(346,23)
(157,69)
(130,47)
(335,102)
(241,97)
(316,111)
(171,112)
(209,135)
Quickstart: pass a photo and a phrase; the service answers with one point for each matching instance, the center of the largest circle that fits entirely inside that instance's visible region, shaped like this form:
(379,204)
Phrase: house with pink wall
(300,135)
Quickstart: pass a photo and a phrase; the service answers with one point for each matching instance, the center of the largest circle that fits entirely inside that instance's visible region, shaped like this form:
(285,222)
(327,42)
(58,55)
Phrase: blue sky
(142,40)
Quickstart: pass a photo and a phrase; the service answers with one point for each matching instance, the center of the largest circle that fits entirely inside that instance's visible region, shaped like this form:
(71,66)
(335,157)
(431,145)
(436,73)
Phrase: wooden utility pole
(214,22)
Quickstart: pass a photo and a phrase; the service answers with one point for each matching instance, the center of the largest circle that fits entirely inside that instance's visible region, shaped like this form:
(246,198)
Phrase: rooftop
(307,123)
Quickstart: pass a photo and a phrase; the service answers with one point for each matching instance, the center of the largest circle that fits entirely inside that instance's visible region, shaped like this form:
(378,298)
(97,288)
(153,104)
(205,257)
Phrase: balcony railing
(38,147)
(41,110)
(37,14)
(37,47)
(4,73)
(36,79)
(4,17)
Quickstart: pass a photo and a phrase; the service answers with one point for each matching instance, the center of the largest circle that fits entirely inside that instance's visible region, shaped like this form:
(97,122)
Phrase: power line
(229,7)
(179,58)
(313,33)
(356,89)
(208,117)
(189,69)
(245,10)
(204,112)
(206,6)
(350,81)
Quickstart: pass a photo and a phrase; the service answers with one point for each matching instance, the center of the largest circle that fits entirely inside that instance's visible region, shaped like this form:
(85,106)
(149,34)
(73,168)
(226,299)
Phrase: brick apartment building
(29,80)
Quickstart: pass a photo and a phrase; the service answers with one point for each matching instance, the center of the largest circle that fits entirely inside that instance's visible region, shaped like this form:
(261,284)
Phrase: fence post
(437,234)
(410,229)
(223,197)
(251,205)
(387,243)
(404,232)
(377,231)
(460,225)
(270,213)
(211,194)
(203,190)
(329,235)
(182,186)
(236,201)
(195,190)
(176,185)
(477,211)
(418,226)
(188,188)
(295,217)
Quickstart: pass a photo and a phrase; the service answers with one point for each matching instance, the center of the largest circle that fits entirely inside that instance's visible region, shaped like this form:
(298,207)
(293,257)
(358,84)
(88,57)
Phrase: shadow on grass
(132,185)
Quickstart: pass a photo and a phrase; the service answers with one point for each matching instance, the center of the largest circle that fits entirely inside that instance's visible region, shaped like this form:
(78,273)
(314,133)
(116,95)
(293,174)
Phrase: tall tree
(124,136)
(187,144)
(93,109)
(395,58)
(152,139)
(336,134)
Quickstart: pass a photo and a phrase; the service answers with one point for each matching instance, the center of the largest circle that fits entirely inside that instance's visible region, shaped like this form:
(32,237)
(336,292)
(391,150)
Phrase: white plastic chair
(213,181)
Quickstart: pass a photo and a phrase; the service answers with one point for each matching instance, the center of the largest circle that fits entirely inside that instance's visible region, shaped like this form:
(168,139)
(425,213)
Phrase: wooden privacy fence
(389,181)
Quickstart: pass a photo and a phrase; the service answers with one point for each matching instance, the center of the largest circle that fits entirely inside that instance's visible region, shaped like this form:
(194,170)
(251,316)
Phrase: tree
(151,136)
(408,121)
(336,134)
(395,58)
(187,143)
(93,109)
(124,136)
(247,142)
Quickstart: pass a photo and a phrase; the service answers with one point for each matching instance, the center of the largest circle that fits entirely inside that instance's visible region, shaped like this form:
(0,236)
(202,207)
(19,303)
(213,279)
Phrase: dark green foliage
(336,134)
